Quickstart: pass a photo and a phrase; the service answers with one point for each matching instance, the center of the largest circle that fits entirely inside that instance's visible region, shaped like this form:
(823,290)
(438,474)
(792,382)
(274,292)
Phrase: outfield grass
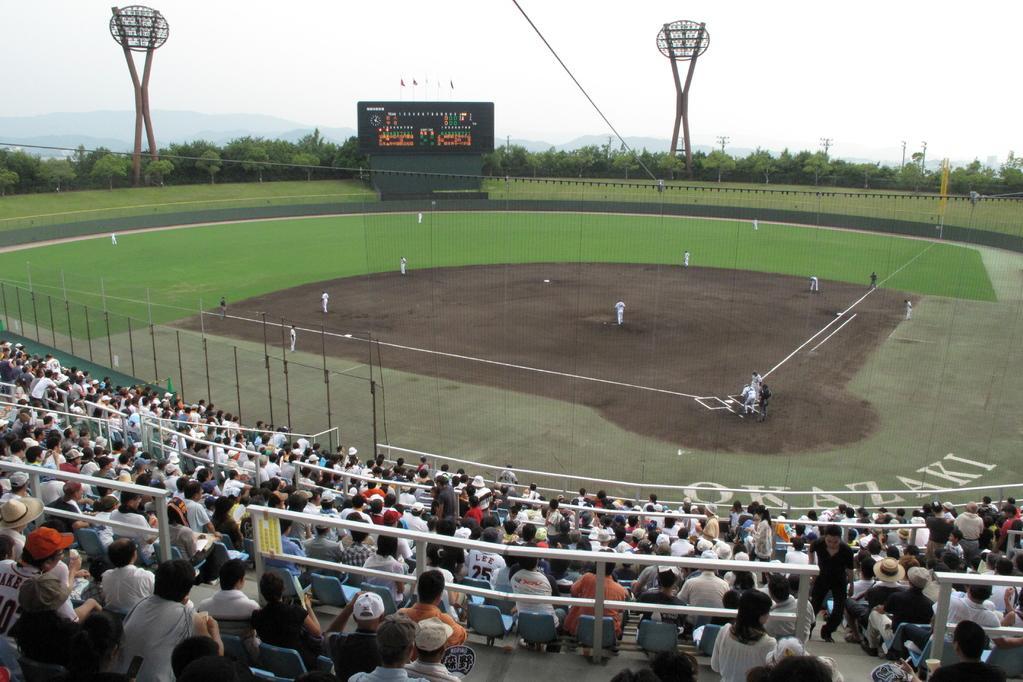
(240,260)
(66,207)
(1002,216)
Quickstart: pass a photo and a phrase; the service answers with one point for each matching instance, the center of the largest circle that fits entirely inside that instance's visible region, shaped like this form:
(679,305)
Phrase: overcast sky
(785,73)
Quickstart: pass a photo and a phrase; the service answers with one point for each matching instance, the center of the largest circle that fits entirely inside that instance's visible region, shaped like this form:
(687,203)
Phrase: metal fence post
(181,369)
(802,596)
(70,330)
(287,387)
(164,528)
(326,374)
(88,330)
(237,384)
(940,619)
(35,315)
(206,357)
(110,343)
(131,347)
(420,559)
(598,613)
(152,337)
(3,296)
(266,361)
(53,327)
(21,316)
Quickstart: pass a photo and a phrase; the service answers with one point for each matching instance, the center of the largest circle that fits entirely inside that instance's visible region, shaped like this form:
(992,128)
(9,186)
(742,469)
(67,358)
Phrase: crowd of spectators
(872,579)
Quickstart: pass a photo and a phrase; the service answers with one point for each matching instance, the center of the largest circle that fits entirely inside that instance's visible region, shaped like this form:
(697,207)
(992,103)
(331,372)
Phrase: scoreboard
(426,127)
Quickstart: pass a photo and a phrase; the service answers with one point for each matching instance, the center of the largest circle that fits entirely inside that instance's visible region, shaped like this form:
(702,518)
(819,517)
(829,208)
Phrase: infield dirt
(695,331)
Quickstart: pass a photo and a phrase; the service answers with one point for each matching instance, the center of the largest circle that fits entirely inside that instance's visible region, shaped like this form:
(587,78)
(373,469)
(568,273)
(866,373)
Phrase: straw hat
(889,570)
(19,511)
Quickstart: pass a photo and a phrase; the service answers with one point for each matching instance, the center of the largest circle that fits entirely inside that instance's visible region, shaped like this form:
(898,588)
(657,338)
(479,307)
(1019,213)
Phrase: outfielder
(403,264)
(755,225)
(620,312)
(113,239)
(909,309)
(420,218)
(873,280)
(814,284)
(292,334)
(324,298)
(685,259)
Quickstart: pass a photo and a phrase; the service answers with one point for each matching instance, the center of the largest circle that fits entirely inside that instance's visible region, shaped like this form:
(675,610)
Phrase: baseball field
(474,354)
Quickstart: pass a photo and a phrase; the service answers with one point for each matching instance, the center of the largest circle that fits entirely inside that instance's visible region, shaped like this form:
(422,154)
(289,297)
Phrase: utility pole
(826,142)
(923,156)
(903,153)
(722,140)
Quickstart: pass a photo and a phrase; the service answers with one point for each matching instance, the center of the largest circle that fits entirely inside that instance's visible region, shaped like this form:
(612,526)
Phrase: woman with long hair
(743,644)
(94,649)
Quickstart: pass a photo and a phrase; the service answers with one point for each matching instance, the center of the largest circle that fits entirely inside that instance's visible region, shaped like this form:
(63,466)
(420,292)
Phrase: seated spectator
(386,559)
(396,642)
(357,651)
(703,588)
(70,501)
(129,512)
(430,642)
(797,554)
(969,641)
(169,613)
(781,594)
(586,587)
(93,648)
(674,666)
(667,581)
(287,625)
(230,606)
(324,546)
(744,644)
(480,565)
(906,606)
(125,584)
(15,515)
(224,523)
(361,548)
(192,649)
(429,590)
(889,574)
(215,668)
(41,632)
(529,579)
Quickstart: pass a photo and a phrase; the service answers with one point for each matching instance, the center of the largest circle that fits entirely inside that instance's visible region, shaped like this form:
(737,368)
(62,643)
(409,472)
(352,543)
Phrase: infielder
(292,334)
(420,218)
(909,309)
(223,307)
(873,280)
(403,264)
(814,284)
(755,381)
(620,312)
(685,259)
(113,239)
(324,297)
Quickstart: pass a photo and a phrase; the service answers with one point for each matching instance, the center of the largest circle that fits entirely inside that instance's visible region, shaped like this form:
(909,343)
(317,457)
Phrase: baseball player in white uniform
(749,399)
(620,312)
(755,225)
(420,218)
(685,259)
(324,297)
(292,335)
(909,309)
(814,284)
(403,264)
(113,239)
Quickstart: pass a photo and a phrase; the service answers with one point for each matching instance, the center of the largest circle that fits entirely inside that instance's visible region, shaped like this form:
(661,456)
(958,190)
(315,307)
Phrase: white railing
(945,582)
(692,491)
(599,559)
(36,474)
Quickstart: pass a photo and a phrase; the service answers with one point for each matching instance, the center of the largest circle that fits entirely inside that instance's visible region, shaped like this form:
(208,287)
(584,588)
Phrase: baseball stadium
(421,400)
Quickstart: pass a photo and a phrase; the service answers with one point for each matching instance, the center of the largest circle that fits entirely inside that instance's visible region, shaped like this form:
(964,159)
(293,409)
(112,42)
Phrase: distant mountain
(114,129)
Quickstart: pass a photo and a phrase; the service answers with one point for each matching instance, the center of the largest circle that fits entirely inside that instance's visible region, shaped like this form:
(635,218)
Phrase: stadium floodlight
(683,41)
(139,29)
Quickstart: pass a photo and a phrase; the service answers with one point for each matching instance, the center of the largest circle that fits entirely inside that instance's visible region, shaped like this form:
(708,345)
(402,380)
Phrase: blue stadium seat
(235,649)
(537,628)
(286,663)
(586,627)
(88,540)
(654,636)
(489,622)
(710,635)
(331,591)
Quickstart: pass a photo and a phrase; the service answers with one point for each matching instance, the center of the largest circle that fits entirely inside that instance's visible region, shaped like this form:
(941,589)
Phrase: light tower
(682,41)
(139,29)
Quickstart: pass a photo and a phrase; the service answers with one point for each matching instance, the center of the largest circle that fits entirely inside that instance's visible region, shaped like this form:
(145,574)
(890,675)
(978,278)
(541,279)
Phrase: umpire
(765,396)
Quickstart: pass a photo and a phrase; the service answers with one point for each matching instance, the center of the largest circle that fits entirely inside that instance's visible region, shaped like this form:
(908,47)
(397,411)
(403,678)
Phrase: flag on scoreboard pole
(402,82)
(452,84)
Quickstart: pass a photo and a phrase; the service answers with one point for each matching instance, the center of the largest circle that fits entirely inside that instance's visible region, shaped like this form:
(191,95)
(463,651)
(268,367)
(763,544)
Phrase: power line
(581,88)
(723,140)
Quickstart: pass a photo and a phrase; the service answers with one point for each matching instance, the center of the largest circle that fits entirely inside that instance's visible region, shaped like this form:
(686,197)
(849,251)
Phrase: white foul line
(470,358)
(839,315)
(834,332)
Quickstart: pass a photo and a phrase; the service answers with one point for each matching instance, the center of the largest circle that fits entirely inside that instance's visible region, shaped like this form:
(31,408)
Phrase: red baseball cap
(45,542)
(391,517)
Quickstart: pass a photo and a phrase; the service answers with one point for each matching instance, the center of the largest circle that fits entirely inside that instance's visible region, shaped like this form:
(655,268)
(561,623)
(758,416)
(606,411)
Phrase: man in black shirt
(666,580)
(969,640)
(357,652)
(834,558)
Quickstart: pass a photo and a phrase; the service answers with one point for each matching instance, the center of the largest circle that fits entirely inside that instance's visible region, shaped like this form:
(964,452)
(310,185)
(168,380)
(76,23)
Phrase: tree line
(255,159)
(244,159)
(759,166)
